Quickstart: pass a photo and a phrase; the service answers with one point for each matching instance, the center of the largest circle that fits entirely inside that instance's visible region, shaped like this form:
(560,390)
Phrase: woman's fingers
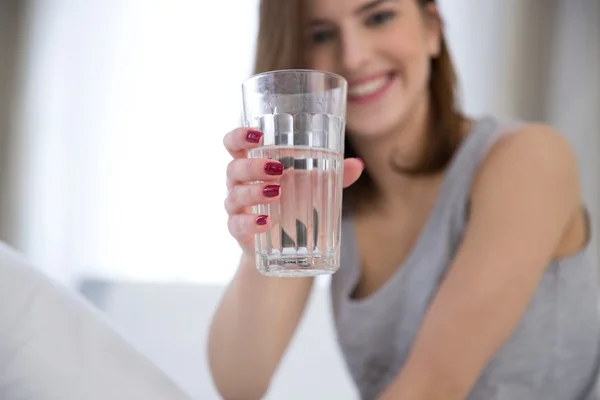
(240,140)
(353,168)
(254,169)
(242,196)
(243,227)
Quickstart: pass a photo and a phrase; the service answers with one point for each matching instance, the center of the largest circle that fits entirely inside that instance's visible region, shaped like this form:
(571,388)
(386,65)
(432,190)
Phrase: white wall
(573,101)
(118,156)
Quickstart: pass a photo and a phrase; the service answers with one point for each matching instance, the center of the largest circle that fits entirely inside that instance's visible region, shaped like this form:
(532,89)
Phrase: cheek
(322,59)
(412,56)
(404,44)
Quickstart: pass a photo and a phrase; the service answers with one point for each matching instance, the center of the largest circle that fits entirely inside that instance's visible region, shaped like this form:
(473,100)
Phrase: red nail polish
(274,168)
(261,220)
(271,191)
(253,136)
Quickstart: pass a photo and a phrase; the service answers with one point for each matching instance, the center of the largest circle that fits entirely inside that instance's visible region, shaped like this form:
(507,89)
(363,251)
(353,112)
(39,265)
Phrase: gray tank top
(554,353)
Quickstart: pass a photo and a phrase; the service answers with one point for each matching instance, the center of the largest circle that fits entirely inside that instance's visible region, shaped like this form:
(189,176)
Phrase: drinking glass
(302,114)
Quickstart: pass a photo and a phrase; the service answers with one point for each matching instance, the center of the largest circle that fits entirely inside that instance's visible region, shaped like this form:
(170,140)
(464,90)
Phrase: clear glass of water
(302,114)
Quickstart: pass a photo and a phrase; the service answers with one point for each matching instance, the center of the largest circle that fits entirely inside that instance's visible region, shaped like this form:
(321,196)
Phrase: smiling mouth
(370,89)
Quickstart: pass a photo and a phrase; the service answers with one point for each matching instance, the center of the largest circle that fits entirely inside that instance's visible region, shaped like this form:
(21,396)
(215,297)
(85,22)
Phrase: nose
(355,51)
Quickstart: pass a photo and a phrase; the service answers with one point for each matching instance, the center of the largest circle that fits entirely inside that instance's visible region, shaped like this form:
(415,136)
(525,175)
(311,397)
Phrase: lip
(373,96)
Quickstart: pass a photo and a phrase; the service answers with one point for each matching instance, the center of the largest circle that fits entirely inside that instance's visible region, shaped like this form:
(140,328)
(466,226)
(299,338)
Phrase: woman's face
(383,48)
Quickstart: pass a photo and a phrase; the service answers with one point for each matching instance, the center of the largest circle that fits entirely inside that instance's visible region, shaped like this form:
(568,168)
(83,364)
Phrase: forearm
(251,329)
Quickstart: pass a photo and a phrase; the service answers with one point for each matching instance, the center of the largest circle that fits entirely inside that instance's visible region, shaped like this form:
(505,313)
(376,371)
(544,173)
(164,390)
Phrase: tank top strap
(478,142)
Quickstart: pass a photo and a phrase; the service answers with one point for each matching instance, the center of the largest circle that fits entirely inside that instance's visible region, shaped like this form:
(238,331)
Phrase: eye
(322,37)
(380,18)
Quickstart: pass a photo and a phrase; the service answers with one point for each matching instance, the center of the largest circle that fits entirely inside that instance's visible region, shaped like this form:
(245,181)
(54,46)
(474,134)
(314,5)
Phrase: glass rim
(255,77)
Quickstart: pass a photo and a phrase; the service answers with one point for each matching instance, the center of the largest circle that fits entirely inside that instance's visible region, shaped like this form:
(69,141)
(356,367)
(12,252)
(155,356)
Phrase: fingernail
(271,191)
(274,168)
(261,220)
(253,136)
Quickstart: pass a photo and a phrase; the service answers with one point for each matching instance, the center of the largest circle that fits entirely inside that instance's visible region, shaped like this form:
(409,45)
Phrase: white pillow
(54,346)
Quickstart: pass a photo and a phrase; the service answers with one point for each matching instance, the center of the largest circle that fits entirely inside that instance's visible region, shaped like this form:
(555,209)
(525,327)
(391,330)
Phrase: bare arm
(258,315)
(526,194)
(251,329)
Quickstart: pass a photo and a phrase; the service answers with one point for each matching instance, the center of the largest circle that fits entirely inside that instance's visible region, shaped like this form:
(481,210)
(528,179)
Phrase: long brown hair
(280,45)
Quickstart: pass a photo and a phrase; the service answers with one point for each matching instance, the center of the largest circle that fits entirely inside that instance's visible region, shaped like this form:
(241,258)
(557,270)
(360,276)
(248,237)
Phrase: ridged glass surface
(302,117)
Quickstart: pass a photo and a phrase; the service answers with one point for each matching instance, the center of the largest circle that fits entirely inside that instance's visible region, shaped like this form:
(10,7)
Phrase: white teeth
(367,88)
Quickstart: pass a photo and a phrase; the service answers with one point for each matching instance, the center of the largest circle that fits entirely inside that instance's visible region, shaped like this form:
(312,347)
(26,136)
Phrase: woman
(465,270)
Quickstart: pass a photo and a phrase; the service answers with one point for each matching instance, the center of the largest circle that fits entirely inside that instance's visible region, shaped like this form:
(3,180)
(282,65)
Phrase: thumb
(353,168)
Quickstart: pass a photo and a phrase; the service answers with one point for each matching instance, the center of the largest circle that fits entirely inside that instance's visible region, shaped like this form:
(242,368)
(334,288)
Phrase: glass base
(296,265)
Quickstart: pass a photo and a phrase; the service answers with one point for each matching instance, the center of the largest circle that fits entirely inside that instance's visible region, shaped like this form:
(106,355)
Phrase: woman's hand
(243,194)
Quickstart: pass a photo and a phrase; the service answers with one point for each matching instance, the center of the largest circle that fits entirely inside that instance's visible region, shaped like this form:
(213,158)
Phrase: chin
(379,113)
(377,123)
(369,128)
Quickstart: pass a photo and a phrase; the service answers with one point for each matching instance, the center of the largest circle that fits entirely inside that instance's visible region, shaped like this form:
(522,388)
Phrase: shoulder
(531,155)
(527,186)
(529,138)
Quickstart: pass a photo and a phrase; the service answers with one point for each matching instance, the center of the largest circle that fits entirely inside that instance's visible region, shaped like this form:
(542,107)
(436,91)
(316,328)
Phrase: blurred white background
(119,147)
(112,166)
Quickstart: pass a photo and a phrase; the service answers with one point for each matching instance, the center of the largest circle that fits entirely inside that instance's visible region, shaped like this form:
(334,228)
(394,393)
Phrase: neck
(404,146)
